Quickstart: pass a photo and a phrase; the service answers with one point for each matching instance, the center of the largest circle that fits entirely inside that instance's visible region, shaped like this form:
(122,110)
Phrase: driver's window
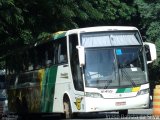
(74,61)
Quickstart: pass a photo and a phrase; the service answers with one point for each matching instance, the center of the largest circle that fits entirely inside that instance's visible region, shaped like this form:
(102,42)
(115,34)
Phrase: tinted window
(75,67)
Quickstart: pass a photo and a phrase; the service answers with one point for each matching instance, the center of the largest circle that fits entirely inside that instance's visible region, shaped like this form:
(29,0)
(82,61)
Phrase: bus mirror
(151,53)
(81,54)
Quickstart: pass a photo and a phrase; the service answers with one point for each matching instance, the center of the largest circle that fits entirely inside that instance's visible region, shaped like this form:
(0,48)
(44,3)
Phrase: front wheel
(123,113)
(67,110)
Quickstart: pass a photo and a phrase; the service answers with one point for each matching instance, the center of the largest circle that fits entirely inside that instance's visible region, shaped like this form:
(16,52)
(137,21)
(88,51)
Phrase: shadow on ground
(106,115)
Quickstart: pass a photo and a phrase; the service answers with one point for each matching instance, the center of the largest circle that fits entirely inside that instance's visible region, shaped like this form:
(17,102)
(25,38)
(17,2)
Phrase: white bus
(82,70)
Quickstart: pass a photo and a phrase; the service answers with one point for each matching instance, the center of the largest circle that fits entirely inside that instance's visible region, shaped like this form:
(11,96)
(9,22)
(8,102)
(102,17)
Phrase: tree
(10,19)
(23,22)
(149,12)
(150,23)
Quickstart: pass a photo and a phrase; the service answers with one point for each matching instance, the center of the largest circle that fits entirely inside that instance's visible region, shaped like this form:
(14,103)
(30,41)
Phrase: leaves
(153,31)
(150,14)
(23,22)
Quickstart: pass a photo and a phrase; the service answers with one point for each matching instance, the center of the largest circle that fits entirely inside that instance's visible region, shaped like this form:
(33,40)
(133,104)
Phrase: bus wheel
(123,113)
(67,110)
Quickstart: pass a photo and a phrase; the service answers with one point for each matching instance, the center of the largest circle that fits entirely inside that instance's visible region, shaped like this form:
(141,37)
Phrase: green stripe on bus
(120,90)
(48,84)
(126,90)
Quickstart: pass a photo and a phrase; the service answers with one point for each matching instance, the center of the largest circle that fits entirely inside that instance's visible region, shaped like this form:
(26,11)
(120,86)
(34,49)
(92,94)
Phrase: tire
(123,113)
(67,110)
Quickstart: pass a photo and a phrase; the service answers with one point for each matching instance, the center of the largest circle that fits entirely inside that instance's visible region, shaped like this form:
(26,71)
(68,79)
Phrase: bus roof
(101,28)
(53,36)
(61,34)
(58,35)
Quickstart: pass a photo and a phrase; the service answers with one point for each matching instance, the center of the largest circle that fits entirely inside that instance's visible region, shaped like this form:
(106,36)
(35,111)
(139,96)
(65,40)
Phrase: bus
(85,70)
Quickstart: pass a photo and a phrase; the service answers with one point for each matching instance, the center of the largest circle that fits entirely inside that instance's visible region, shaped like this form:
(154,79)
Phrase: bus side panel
(62,86)
(48,87)
(34,92)
(24,93)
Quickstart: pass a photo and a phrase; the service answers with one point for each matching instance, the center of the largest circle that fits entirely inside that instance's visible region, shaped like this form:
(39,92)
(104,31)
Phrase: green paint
(120,90)
(48,88)
(124,90)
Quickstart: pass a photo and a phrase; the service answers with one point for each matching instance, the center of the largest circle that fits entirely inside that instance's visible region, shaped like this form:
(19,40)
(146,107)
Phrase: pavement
(134,114)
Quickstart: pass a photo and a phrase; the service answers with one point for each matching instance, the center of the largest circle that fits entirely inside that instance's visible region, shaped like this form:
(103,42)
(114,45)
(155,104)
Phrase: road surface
(135,114)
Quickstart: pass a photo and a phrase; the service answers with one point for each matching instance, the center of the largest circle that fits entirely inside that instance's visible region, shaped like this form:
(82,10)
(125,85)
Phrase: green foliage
(43,36)
(150,21)
(10,21)
(149,12)
(23,22)
(26,37)
(153,31)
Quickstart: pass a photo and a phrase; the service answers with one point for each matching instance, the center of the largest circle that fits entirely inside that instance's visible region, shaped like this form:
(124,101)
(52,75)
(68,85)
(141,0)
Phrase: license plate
(120,103)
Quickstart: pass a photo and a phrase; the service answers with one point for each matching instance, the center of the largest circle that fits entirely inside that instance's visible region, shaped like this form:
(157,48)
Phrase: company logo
(78,103)
(64,75)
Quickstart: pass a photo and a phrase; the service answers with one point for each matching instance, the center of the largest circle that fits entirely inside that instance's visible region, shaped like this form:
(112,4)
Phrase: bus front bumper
(101,104)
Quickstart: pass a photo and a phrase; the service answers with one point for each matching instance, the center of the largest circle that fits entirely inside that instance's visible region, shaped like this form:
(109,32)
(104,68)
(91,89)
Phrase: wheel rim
(67,110)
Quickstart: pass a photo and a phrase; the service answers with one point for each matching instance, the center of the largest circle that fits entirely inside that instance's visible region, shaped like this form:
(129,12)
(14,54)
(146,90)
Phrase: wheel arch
(66,97)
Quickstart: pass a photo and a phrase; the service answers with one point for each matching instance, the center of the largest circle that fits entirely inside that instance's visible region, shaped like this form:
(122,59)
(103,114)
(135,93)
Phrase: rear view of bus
(114,69)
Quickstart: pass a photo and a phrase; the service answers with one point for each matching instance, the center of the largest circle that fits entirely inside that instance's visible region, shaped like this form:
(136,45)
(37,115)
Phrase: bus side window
(18,62)
(49,54)
(75,67)
(56,49)
(11,64)
(31,59)
(62,51)
(25,61)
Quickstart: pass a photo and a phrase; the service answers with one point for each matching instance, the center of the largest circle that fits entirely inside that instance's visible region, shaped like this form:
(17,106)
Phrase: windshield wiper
(113,77)
(124,72)
(108,83)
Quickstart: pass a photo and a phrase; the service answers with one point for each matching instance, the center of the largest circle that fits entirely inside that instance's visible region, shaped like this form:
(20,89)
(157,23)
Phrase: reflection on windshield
(131,66)
(129,57)
(114,67)
(100,67)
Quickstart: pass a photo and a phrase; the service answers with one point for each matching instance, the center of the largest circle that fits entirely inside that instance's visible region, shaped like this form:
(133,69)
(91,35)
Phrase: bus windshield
(100,67)
(114,67)
(131,66)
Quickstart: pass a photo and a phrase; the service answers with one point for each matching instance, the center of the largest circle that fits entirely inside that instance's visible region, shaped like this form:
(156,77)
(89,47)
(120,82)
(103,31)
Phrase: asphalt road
(135,114)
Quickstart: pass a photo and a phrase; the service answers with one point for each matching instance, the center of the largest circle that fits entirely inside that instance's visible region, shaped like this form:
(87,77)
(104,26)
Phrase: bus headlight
(142,92)
(93,95)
